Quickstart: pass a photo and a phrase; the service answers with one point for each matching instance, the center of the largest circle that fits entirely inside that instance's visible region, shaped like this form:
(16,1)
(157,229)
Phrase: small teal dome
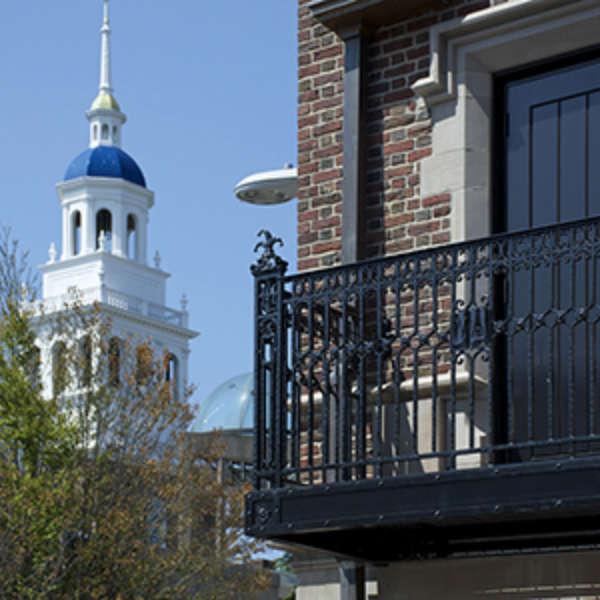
(229,407)
(106,161)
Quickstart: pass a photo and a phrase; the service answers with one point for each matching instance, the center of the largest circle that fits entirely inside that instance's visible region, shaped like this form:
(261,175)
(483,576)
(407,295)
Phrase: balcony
(119,302)
(438,403)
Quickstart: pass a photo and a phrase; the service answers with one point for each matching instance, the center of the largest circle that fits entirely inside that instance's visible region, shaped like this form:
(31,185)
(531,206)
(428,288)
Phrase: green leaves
(102,495)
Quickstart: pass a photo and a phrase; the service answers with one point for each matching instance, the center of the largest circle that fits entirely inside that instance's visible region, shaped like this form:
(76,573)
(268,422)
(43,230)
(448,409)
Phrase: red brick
(308,215)
(380,63)
(419,129)
(308,71)
(398,44)
(418,154)
(308,145)
(441,238)
(441,211)
(329,103)
(309,263)
(327,175)
(308,238)
(401,70)
(329,151)
(398,95)
(324,223)
(417,52)
(326,247)
(401,172)
(328,78)
(424,227)
(308,168)
(328,127)
(401,246)
(398,147)
(422,23)
(308,96)
(400,219)
(308,121)
(306,23)
(328,52)
(434,200)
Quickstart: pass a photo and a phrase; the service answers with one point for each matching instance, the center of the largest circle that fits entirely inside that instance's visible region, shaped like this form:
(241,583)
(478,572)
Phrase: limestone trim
(465,55)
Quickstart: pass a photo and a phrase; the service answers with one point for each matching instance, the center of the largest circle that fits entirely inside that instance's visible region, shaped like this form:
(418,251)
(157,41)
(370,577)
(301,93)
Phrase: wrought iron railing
(457,357)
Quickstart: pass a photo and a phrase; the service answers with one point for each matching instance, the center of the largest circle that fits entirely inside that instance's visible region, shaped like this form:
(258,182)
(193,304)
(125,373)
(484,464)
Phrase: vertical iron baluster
(341,448)
(279,381)
(296,399)
(434,350)
(259,441)
(571,348)
(494,260)
(530,341)
(510,319)
(592,366)
(454,354)
(326,378)
(361,400)
(474,321)
(552,335)
(588,333)
(311,407)
(379,328)
(398,360)
(415,349)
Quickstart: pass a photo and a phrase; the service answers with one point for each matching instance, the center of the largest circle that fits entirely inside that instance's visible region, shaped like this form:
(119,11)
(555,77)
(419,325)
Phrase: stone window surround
(465,54)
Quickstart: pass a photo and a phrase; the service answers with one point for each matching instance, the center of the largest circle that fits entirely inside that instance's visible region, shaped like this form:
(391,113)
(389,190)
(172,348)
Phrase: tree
(102,495)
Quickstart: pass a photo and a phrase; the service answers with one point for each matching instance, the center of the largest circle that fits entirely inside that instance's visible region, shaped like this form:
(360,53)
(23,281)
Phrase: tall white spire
(105,63)
(105,116)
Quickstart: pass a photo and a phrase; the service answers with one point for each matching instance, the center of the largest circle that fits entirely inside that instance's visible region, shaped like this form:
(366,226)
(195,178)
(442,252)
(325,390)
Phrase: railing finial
(268,261)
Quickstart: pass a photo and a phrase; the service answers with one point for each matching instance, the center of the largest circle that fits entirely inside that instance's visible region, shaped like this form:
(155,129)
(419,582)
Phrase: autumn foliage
(102,494)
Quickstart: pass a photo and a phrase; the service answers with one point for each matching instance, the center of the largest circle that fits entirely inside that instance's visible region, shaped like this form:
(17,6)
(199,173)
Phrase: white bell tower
(105,207)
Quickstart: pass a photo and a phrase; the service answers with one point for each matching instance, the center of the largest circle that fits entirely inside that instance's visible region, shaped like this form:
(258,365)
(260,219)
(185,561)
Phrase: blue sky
(209,90)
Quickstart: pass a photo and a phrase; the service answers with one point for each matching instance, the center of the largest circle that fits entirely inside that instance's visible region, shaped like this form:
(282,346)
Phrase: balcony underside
(340,14)
(517,507)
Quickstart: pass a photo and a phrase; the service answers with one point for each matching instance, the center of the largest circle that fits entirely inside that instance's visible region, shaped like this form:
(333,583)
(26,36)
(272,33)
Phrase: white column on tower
(65,233)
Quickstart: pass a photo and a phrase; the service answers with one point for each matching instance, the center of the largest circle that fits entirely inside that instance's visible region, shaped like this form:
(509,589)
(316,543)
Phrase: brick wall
(399,138)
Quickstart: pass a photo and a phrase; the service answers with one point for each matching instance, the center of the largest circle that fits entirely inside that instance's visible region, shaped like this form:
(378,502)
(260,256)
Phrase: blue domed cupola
(106,161)
(104,196)
(104,157)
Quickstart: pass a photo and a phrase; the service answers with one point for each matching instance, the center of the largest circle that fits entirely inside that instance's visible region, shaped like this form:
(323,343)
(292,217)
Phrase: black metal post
(269,373)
